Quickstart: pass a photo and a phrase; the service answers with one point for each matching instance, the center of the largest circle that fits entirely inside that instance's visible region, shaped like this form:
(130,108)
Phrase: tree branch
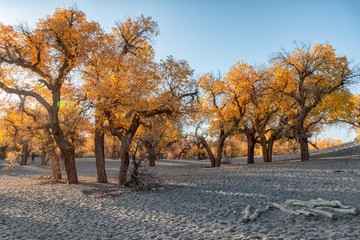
(32,94)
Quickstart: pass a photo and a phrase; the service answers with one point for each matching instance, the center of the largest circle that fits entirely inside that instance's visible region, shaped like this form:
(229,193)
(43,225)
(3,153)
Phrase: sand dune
(203,203)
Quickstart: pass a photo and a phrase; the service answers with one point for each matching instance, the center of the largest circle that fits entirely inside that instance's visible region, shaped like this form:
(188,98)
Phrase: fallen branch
(306,213)
(325,213)
(254,216)
(341,205)
(257,213)
(300,203)
(321,202)
(247,213)
(284,209)
(320,205)
(352,211)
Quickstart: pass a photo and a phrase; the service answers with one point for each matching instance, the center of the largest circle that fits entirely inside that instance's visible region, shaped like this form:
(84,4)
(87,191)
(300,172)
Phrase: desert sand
(195,202)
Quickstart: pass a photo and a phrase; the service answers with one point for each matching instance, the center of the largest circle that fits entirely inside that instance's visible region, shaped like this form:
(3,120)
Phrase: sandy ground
(202,202)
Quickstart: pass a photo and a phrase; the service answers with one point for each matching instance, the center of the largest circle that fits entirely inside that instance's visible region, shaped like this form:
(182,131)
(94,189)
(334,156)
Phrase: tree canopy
(73,80)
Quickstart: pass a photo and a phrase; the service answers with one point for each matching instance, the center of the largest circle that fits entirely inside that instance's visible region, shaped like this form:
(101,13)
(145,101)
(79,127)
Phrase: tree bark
(67,148)
(152,159)
(208,150)
(267,148)
(113,149)
(304,148)
(265,153)
(70,166)
(24,152)
(99,141)
(55,164)
(3,152)
(250,148)
(270,149)
(221,142)
(50,153)
(303,141)
(151,146)
(124,164)
(55,160)
(264,148)
(68,153)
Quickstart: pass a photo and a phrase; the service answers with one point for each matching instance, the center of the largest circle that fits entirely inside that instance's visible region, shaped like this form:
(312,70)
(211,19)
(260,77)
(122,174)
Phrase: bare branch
(32,94)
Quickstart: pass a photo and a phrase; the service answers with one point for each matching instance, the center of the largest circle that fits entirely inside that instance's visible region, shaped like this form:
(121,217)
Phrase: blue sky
(213,35)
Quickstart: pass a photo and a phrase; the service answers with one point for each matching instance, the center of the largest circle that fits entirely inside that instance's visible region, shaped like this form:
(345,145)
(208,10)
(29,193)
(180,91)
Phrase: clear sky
(212,35)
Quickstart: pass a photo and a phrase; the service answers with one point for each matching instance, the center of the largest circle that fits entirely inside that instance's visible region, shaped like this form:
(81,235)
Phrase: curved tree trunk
(68,153)
(220,147)
(67,148)
(208,150)
(99,141)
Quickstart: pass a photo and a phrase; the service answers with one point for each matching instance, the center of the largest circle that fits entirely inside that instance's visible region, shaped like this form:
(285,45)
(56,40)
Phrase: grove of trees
(66,80)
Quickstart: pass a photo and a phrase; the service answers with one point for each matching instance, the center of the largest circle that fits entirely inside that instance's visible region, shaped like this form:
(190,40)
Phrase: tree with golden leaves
(348,112)
(215,104)
(307,74)
(156,134)
(38,62)
(138,89)
(243,81)
(128,41)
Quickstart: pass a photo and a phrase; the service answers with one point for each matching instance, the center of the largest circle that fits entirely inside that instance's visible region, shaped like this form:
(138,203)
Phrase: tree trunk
(43,157)
(151,147)
(55,164)
(50,153)
(152,159)
(199,150)
(113,148)
(183,151)
(304,148)
(270,149)
(55,161)
(70,166)
(124,164)
(67,148)
(220,149)
(24,153)
(267,148)
(265,153)
(250,148)
(264,148)
(99,141)
(68,153)
(208,150)
(3,152)
(303,141)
